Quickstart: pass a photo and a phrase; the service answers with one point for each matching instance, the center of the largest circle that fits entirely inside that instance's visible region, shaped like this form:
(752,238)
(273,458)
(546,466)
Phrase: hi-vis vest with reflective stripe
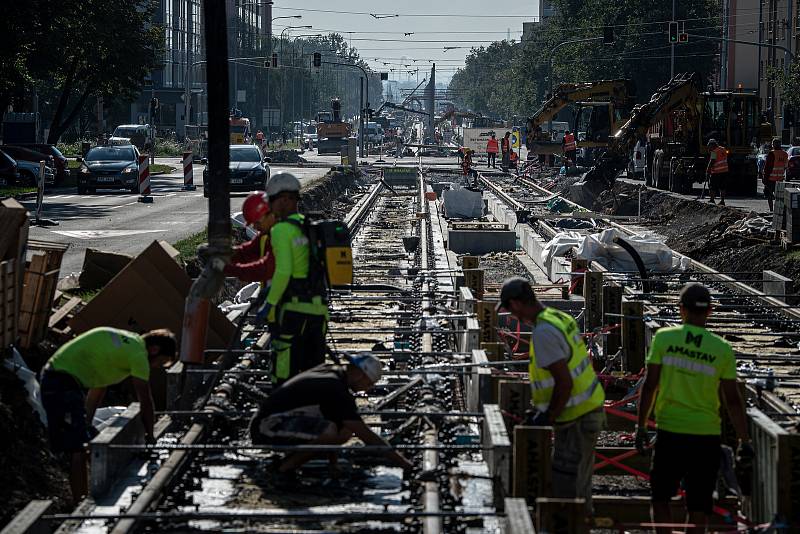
(720,164)
(587,394)
(569,143)
(779,165)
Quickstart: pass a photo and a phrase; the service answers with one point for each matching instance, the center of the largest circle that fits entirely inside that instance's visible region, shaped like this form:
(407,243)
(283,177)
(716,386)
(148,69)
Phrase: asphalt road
(117,222)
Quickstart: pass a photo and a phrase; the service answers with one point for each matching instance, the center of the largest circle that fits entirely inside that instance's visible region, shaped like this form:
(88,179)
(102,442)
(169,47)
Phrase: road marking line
(99,234)
(123,205)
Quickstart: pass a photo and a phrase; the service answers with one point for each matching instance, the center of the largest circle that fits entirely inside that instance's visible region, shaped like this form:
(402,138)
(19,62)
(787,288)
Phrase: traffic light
(673,32)
(608,35)
(274,60)
(683,37)
(384,76)
(317,59)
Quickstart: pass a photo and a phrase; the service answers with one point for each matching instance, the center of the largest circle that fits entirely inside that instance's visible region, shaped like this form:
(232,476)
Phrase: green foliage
(188,246)
(511,78)
(787,84)
(168,148)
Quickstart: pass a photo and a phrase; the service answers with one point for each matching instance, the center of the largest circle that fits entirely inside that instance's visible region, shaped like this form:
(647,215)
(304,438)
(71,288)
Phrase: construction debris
(99,267)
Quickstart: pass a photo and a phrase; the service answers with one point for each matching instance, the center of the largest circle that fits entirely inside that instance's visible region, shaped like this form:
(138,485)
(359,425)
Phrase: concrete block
(497,449)
(479,384)
(462,203)
(481,241)
(106,463)
(518,518)
(29,519)
(776,284)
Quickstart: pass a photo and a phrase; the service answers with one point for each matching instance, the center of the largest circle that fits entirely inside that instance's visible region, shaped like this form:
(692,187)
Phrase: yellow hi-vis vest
(587,394)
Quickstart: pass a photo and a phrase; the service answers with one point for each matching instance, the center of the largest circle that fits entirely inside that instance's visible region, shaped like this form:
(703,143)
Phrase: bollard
(144,180)
(188,174)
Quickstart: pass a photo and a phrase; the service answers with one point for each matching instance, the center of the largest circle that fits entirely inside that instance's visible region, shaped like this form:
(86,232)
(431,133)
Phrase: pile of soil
(285,156)
(30,470)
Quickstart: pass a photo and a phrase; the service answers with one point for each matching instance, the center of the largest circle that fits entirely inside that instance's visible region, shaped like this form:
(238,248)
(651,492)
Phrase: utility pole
(672,48)
(723,77)
(361,119)
(187,95)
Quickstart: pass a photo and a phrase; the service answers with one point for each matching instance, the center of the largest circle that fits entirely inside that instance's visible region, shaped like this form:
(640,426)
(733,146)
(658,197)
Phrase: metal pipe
(295,448)
(241,514)
(430,497)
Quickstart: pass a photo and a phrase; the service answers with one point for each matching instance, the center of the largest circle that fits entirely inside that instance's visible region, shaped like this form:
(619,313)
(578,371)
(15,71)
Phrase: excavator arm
(388,104)
(682,92)
(618,91)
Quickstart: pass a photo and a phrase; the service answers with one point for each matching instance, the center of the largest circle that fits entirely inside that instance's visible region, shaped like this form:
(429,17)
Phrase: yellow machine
(677,123)
(600,109)
(331,130)
(240,129)
(333,237)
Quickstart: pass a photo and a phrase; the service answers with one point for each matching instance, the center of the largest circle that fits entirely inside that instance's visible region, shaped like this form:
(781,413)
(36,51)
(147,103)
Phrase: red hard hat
(255,206)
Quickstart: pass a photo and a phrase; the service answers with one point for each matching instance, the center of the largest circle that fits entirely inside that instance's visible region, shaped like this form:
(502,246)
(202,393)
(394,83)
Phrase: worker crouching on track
(687,368)
(466,162)
(717,171)
(774,170)
(296,307)
(92,361)
(566,392)
(317,407)
(253,261)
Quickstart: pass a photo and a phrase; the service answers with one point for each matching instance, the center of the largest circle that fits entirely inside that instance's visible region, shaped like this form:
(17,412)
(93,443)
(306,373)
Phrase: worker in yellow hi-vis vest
(566,393)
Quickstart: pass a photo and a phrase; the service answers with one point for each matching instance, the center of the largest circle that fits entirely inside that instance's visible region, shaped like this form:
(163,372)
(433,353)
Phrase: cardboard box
(149,293)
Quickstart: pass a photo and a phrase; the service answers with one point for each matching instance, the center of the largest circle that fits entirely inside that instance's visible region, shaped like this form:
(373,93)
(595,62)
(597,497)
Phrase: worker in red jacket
(253,261)
(774,170)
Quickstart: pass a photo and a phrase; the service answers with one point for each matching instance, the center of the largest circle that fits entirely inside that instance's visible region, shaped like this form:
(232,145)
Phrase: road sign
(515,139)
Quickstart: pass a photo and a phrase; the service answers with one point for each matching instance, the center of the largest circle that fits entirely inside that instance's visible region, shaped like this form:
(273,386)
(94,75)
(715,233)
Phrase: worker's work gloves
(642,440)
(537,418)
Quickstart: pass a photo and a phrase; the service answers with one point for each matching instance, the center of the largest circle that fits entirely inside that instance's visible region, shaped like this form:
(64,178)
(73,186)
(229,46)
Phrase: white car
(310,140)
(638,162)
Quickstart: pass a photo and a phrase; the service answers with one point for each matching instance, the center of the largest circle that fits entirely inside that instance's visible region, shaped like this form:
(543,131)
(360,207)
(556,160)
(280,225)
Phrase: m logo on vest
(695,340)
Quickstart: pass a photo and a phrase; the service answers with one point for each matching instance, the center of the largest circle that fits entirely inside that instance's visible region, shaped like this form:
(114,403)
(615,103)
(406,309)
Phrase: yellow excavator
(332,131)
(677,124)
(600,108)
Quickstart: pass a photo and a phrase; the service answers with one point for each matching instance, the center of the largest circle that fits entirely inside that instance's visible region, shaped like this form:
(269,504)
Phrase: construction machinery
(239,128)
(331,129)
(677,124)
(600,108)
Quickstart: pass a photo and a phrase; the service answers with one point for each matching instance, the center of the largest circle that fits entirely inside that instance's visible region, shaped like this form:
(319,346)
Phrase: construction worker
(566,393)
(569,147)
(513,159)
(253,260)
(717,171)
(260,139)
(774,170)
(92,361)
(505,147)
(466,162)
(296,306)
(317,407)
(492,148)
(687,368)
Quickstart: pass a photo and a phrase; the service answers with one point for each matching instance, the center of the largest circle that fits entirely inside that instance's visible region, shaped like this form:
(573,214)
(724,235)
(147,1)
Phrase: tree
(104,48)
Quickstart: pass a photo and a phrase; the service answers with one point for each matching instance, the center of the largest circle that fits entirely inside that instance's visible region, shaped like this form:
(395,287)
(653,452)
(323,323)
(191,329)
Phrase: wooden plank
(495,351)
(612,303)
(633,336)
(473,279)
(561,516)
(514,398)
(593,300)
(470,262)
(611,510)
(61,313)
(532,462)
(487,318)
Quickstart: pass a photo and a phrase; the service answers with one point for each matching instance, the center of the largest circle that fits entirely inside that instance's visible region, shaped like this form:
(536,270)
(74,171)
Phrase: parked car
(60,161)
(793,168)
(638,162)
(132,134)
(28,164)
(761,156)
(109,167)
(249,169)
(8,169)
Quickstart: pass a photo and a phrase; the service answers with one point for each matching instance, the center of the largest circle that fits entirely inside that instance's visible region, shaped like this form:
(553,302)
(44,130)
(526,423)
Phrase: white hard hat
(283,182)
(369,365)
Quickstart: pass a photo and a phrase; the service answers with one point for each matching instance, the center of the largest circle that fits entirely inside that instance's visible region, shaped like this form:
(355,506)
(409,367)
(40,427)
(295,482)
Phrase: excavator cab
(594,118)
(733,119)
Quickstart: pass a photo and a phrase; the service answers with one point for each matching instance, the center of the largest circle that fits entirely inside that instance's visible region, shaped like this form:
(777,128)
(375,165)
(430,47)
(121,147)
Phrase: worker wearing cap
(566,392)
(253,260)
(774,170)
(717,170)
(317,407)
(687,368)
(296,306)
(492,148)
(92,361)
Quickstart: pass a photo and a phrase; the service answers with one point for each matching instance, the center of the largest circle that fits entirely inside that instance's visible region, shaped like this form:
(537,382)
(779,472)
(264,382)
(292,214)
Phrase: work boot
(722,202)
(711,200)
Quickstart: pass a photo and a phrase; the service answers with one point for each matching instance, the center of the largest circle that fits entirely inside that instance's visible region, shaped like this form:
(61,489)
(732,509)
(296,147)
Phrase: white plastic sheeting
(655,255)
(17,365)
(237,221)
(601,248)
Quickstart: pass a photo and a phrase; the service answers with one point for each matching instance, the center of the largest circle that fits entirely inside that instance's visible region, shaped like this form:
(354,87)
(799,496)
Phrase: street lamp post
(283,78)
(269,59)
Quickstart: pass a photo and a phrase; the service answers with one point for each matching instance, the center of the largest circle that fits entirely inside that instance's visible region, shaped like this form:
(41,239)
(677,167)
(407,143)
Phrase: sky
(383,41)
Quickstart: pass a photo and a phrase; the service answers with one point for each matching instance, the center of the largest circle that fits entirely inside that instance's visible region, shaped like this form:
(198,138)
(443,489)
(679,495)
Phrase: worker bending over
(492,148)
(774,170)
(253,260)
(717,171)
(317,407)
(687,369)
(92,361)
(466,162)
(297,306)
(566,392)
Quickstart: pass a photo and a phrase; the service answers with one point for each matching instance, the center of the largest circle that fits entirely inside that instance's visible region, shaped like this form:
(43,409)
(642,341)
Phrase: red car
(59,160)
(793,168)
